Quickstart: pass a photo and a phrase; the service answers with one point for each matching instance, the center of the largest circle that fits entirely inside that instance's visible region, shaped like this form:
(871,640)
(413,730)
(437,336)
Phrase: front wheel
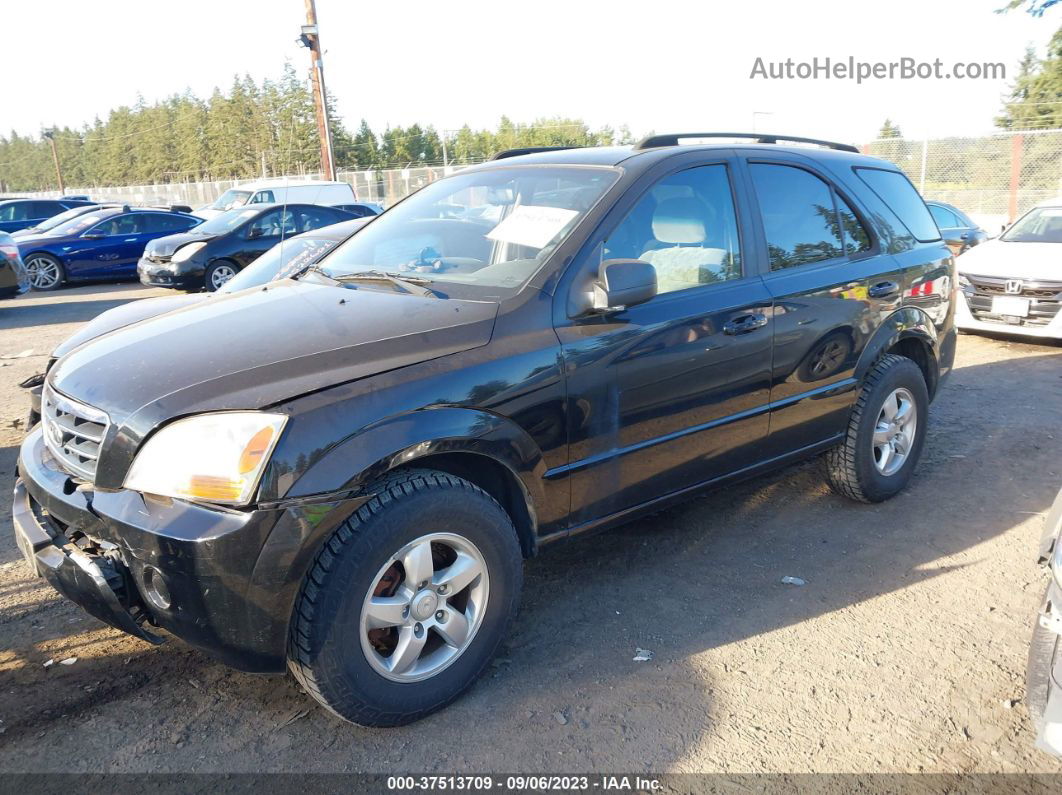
(45,272)
(217,274)
(407,601)
(886,432)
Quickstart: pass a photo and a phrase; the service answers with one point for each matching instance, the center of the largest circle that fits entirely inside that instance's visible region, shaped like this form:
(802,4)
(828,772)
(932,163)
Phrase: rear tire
(46,273)
(885,435)
(378,588)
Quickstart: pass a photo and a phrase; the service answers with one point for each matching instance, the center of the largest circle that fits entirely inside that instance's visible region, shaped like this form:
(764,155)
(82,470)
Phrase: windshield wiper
(413,284)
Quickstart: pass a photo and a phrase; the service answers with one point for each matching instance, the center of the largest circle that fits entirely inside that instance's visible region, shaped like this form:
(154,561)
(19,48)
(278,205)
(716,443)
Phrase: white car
(309,191)
(1013,284)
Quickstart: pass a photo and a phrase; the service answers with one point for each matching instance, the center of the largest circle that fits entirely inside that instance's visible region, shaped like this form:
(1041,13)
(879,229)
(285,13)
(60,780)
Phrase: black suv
(344,478)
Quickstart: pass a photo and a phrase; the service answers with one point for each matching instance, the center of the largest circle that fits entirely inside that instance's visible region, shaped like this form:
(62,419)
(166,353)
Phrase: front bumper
(965,320)
(178,277)
(220,596)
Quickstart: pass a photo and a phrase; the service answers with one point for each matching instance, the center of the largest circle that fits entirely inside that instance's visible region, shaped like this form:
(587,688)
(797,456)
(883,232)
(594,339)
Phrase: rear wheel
(885,435)
(217,274)
(407,601)
(45,271)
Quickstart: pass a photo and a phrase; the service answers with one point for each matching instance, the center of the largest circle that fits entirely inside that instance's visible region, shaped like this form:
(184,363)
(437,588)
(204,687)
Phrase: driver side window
(685,227)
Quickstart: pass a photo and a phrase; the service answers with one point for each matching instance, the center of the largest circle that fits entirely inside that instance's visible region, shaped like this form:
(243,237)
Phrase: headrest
(679,221)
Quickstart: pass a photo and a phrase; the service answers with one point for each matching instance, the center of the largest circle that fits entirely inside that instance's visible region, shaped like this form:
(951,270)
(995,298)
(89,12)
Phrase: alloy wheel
(894,432)
(43,272)
(424,607)
(221,274)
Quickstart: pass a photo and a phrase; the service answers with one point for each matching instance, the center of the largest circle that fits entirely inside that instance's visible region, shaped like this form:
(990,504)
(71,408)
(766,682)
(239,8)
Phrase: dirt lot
(905,650)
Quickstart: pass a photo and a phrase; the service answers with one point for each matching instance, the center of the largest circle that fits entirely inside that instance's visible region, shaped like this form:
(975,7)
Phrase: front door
(674,392)
(110,248)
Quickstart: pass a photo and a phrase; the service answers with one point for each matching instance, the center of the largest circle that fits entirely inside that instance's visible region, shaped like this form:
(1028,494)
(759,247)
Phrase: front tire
(45,272)
(886,432)
(218,274)
(407,601)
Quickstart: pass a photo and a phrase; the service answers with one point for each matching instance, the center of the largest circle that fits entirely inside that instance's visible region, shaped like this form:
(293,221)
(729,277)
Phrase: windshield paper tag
(532,225)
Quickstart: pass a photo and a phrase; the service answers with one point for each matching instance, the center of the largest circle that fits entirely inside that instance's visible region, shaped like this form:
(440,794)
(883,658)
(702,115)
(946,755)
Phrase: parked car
(958,231)
(1013,284)
(17,214)
(13,277)
(56,220)
(1043,685)
(346,476)
(280,192)
(211,254)
(104,244)
(362,209)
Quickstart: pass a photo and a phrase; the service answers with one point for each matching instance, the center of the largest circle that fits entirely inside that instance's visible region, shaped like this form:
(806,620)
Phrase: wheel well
(494,478)
(921,354)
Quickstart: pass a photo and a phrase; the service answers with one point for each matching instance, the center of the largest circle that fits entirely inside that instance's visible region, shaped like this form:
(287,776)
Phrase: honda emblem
(1014,286)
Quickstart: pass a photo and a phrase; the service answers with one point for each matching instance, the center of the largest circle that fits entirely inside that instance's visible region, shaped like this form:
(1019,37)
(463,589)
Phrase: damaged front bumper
(222,580)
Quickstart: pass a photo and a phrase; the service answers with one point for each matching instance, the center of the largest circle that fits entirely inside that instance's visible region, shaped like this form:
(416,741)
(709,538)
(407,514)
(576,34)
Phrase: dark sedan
(13,278)
(958,231)
(211,254)
(103,244)
(17,214)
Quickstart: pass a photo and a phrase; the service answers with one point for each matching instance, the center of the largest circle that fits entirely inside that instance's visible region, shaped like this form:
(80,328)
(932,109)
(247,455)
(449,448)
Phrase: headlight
(210,458)
(186,252)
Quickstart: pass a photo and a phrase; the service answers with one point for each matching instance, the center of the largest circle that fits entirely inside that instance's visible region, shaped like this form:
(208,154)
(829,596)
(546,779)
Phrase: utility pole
(311,38)
(50,135)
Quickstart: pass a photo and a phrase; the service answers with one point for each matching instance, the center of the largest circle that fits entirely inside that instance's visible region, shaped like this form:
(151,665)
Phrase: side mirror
(254,233)
(622,283)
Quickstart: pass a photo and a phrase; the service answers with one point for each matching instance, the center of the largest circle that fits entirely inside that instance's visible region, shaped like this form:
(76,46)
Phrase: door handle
(129,240)
(964,235)
(743,324)
(883,290)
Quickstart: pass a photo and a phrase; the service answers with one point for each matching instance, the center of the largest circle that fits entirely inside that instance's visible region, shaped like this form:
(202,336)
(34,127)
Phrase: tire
(334,654)
(45,271)
(218,273)
(861,468)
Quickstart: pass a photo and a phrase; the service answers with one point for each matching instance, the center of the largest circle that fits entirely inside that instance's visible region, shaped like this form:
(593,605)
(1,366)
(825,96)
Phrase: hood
(166,246)
(126,315)
(35,239)
(1032,261)
(256,348)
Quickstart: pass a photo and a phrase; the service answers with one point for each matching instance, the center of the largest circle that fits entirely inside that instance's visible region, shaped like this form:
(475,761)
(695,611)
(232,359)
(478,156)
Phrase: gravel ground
(904,651)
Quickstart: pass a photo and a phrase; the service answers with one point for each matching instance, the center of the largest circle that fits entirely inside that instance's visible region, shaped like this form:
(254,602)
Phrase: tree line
(253,130)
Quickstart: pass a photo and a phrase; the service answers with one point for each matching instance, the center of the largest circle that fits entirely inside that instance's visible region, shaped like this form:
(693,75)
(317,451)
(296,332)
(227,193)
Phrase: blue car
(104,244)
(17,214)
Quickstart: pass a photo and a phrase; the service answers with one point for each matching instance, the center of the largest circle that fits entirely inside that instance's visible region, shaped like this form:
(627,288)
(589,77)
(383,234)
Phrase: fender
(909,322)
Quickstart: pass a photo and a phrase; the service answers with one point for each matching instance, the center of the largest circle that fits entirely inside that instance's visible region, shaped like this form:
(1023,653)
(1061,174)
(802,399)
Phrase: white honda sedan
(1013,284)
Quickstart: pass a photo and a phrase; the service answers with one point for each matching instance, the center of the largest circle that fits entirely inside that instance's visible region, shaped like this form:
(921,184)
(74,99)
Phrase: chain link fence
(993,178)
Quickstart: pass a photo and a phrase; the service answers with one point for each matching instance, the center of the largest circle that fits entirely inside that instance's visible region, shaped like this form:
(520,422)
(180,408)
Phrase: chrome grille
(73,432)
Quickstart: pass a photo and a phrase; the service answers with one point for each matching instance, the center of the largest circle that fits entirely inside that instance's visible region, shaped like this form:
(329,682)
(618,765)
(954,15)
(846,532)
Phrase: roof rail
(530,150)
(672,139)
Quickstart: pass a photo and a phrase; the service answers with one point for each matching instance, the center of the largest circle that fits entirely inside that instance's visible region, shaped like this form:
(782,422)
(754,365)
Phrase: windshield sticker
(532,225)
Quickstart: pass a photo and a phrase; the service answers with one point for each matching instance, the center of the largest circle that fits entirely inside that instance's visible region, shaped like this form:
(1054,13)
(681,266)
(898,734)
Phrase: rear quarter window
(900,196)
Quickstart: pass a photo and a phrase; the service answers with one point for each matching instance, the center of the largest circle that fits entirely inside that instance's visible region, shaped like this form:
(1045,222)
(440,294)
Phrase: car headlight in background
(186,252)
(208,458)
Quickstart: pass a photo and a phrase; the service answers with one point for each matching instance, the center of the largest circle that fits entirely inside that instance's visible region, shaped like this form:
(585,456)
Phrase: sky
(666,67)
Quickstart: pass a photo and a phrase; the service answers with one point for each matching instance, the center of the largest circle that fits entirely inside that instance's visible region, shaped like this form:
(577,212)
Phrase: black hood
(253,349)
(166,246)
(126,315)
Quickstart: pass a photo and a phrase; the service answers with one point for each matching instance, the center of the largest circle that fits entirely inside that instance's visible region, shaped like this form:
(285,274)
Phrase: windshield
(230,199)
(281,261)
(1042,225)
(225,222)
(77,225)
(490,228)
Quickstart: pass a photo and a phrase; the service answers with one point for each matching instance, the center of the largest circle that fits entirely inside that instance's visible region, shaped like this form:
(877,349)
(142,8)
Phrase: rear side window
(900,195)
(262,197)
(856,236)
(167,223)
(46,209)
(799,218)
(945,218)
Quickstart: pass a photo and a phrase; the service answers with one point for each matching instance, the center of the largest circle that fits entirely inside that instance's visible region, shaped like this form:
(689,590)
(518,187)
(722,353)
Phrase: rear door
(832,285)
(671,393)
